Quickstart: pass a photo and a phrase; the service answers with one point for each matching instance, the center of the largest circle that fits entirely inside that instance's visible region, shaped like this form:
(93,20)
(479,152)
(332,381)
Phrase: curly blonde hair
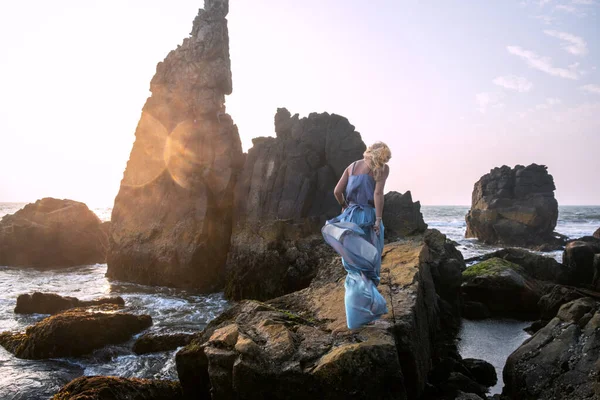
(376,156)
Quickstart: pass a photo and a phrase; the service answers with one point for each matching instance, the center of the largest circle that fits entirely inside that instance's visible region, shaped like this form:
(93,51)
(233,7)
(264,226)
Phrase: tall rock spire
(171,220)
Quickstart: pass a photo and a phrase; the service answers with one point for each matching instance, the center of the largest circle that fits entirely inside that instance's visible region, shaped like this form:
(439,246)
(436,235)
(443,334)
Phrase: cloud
(591,88)
(546,19)
(543,64)
(486,100)
(571,43)
(513,82)
(570,9)
(584,2)
(550,102)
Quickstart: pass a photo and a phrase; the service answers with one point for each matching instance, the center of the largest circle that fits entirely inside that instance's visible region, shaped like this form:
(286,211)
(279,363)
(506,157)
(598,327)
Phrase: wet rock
(579,258)
(114,388)
(503,287)
(283,198)
(551,302)
(597,233)
(152,343)
(401,216)
(467,396)
(52,233)
(514,207)
(462,383)
(73,333)
(52,303)
(475,310)
(561,360)
(483,372)
(297,346)
(171,221)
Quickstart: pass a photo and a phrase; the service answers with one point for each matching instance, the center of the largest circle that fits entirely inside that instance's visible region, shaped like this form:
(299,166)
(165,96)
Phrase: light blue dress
(351,234)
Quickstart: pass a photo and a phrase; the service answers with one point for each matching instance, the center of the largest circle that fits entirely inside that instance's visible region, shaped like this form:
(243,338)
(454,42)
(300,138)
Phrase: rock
(475,310)
(514,207)
(467,396)
(461,383)
(483,372)
(73,333)
(52,303)
(52,233)
(171,221)
(282,199)
(597,233)
(536,266)
(152,343)
(297,346)
(561,360)
(115,388)
(551,302)
(579,258)
(503,287)
(402,217)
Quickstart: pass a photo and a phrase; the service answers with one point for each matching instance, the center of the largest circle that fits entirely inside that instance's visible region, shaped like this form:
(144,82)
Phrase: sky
(454,87)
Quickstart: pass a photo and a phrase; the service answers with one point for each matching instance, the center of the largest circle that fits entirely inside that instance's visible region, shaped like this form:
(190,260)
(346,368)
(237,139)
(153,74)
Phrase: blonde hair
(376,156)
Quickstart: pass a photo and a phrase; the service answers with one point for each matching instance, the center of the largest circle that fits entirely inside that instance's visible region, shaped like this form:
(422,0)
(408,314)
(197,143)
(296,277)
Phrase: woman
(357,233)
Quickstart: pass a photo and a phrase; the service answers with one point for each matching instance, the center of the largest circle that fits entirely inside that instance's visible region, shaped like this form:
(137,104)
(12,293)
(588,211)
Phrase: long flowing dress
(351,234)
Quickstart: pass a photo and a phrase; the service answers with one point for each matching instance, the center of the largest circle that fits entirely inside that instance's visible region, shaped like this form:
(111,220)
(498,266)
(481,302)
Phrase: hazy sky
(454,87)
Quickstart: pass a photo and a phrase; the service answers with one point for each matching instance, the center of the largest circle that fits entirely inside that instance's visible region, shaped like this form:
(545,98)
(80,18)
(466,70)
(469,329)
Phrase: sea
(186,311)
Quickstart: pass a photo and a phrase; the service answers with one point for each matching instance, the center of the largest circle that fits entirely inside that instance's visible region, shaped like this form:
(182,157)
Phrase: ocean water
(175,310)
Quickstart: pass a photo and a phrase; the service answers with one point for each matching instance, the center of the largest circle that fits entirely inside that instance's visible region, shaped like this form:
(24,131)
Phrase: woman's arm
(340,188)
(378,197)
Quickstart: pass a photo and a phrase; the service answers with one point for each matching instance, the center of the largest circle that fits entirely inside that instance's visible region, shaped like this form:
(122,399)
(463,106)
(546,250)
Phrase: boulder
(483,372)
(536,266)
(401,216)
(152,343)
(561,360)
(282,199)
(73,333)
(579,258)
(503,287)
(115,388)
(475,310)
(597,233)
(52,303)
(52,233)
(551,302)
(514,207)
(171,221)
(297,346)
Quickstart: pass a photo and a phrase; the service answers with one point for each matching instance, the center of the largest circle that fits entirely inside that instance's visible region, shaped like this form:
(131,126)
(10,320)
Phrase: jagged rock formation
(297,346)
(73,333)
(52,303)
(171,220)
(152,343)
(401,216)
(283,197)
(115,388)
(52,233)
(561,360)
(514,207)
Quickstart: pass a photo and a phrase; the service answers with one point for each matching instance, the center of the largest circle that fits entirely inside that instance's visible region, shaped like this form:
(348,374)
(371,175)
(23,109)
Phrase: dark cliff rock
(171,220)
(52,303)
(297,345)
(561,360)
(283,197)
(73,333)
(515,207)
(114,388)
(401,216)
(52,233)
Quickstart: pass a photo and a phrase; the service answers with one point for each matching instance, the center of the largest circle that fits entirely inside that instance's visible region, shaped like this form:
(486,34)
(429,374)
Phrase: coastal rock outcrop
(514,207)
(52,233)
(52,303)
(283,198)
(561,360)
(73,333)
(171,221)
(597,233)
(582,257)
(115,388)
(401,216)
(297,346)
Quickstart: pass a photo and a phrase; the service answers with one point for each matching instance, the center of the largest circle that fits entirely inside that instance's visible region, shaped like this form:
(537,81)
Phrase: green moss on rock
(492,266)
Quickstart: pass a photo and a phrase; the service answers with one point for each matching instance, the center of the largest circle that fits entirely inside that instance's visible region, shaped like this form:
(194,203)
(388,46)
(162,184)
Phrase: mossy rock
(493,266)
(114,388)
